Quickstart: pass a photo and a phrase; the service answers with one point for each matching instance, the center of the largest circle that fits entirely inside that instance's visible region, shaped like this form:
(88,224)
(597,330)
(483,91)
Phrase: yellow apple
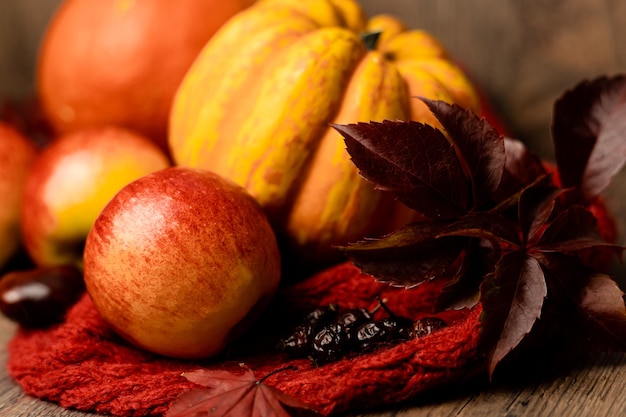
(17,153)
(181,262)
(71,180)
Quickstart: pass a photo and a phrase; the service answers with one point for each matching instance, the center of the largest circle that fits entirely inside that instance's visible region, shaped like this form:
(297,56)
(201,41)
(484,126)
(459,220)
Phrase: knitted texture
(82,364)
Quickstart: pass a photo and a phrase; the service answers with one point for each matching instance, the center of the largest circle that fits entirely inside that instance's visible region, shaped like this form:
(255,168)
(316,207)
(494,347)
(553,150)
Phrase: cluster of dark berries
(329,333)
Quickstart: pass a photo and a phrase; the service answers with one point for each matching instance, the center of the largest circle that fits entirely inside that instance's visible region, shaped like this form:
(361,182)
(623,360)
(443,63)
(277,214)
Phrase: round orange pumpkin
(120,61)
(256,107)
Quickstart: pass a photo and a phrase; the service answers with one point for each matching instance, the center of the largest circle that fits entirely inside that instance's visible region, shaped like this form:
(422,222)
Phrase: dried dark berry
(40,297)
(321,316)
(328,334)
(297,343)
(399,328)
(353,317)
(329,344)
(370,335)
(427,325)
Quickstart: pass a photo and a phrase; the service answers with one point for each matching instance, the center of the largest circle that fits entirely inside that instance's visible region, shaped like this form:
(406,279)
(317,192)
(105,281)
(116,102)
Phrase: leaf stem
(275,371)
(384,306)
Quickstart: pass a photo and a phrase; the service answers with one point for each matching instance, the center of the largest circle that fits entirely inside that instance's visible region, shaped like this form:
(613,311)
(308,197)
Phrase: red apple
(17,154)
(71,180)
(181,261)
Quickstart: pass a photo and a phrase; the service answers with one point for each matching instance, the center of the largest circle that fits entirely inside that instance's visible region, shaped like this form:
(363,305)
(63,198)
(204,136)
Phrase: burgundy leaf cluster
(502,228)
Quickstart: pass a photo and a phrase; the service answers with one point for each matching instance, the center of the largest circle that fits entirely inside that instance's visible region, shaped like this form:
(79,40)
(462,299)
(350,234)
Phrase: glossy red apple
(71,180)
(17,154)
(181,262)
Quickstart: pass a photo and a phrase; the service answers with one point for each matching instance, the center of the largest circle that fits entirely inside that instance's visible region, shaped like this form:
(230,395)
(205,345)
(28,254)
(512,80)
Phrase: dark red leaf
(598,318)
(521,169)
(412,160)
(574,229)
(522,165)
(425,250)
(512,297)
(480,147)
(410,255)
(536,205)
(572,224)
(602,305)
(573,245)
(493,227)
(231,394)
(463,290)
(589,134)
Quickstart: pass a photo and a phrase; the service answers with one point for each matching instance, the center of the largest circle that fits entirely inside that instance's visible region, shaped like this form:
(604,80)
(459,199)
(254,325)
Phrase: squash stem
(370,39)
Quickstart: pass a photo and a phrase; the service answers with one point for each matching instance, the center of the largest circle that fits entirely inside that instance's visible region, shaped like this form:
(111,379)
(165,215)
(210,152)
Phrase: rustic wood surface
(523,54)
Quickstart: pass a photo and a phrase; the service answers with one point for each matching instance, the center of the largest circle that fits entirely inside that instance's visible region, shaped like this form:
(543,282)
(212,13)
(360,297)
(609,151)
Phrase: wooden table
(592,387)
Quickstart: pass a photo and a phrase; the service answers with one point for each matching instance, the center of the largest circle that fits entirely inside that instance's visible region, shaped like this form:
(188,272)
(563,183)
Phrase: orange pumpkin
(120,61)
(256,107)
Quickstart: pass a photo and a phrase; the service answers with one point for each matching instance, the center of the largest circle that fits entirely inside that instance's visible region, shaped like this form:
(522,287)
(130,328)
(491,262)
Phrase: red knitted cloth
(82,364)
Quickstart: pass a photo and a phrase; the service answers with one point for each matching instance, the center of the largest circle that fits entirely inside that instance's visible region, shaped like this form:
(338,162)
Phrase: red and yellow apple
(181,262)
(17,154)
(71,180)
